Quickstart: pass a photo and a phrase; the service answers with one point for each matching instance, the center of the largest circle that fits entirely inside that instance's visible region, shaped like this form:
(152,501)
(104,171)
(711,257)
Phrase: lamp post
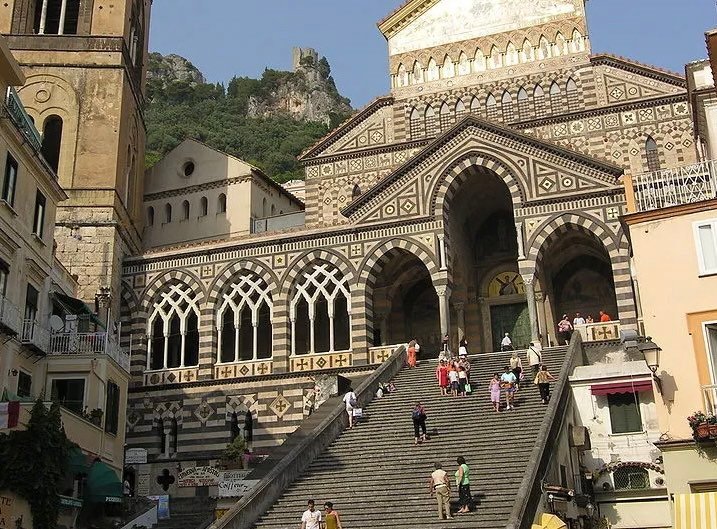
(651,352)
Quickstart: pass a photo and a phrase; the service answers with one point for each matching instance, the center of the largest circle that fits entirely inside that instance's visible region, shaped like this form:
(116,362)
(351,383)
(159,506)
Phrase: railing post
(629,192)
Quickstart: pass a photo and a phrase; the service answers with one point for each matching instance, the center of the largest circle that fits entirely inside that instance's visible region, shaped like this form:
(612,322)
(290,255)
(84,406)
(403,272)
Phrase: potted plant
(698,423)
(712,425)
(232,457)
(96,417)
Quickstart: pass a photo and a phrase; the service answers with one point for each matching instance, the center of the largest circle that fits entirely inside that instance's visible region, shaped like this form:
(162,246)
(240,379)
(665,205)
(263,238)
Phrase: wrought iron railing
(709,398)
(89,344)
(21,119)
(675,187)
(10,316)
(35,334)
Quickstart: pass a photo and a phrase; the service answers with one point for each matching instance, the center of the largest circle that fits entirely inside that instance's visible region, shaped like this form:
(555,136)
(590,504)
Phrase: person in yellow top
(542,379)
(331,518)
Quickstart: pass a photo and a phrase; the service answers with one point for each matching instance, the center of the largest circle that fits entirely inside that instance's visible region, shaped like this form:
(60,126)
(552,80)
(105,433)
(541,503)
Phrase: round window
(188,169)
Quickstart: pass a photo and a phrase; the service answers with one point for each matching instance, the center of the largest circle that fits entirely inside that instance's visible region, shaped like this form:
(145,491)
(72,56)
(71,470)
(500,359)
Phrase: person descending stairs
(375,475)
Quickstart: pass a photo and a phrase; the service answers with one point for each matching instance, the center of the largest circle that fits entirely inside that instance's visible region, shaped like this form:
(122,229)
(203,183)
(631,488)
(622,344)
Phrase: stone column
(444,295)
(167,427)
(461,317)
(528,280)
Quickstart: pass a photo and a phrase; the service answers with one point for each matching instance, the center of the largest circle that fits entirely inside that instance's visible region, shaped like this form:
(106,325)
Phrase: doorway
(512,319)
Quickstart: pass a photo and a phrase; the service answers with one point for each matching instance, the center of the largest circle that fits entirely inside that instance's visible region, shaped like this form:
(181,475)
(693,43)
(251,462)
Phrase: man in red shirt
(604,316)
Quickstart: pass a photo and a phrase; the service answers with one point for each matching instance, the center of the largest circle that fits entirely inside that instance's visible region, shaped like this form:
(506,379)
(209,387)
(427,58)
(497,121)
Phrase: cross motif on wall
(341,360)
(604,333)
(280,406)
(302,364)
(382,356)
(189,376)
(262,369)
(165,479)
(226,372)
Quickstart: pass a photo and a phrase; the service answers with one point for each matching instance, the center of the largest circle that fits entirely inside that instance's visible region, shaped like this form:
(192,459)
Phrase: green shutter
(624,412)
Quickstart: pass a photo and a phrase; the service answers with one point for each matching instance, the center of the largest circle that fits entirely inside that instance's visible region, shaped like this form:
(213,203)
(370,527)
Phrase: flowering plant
(696,419)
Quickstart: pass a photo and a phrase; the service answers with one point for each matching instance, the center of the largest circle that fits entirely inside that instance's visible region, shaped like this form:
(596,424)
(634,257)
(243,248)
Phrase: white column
(442,252)
(532,306)
(63,11)
(444,294)
(166,345)
(255,339)
(519,236)
(181,352)
(311,334)
(219,345)
(149,351)
(330,308)
(237,329)
(461,316)
(43,17)
(167,437)
(293,337)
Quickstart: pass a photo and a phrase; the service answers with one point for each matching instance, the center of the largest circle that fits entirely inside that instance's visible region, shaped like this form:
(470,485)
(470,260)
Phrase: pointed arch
(544,48)
(527,53)
(577,43)
(523,104)
(432,72)
(448,69)
(539,101)
(429,117)
(460,109)
(491,108)
(417,73)
(506,106)
(555,98)
(511,54)
(561,45)
(445,118)
(496,57)
(414,123)
(652,155)
(571,92)
(479,61)
(355,192)
(401,76)
(464,65)
(475,105)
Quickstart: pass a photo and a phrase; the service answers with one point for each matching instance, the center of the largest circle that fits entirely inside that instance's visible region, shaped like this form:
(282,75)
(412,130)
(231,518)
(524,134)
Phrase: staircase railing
(251,507)
(530,492)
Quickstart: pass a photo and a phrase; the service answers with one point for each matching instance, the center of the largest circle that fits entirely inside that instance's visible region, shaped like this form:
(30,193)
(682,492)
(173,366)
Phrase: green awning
(77,461)
(103,485)
(76,306)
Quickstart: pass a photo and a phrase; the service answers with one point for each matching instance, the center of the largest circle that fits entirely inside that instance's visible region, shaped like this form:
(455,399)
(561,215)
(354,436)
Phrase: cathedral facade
(481,197)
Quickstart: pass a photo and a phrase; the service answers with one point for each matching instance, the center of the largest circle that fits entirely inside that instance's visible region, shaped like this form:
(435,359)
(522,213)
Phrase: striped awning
(696,511)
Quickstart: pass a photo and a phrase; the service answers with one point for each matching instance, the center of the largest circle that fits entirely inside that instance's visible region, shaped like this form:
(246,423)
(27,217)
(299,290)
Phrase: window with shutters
(706,242)
(10,182)
(625,412)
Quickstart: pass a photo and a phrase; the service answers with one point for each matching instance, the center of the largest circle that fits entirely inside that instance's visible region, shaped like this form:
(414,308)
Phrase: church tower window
(414,124)
(555,102)
(445,117)
(460,109)
(653,156)
(203,207)
(320,311)
(506,104)
(244,320)
(52,141)
(222,203)
(523,104)
(571,90)
(539,101)
(185,210)
(56,17)
(167,213)
(150,216)
(491,108)
(430,120)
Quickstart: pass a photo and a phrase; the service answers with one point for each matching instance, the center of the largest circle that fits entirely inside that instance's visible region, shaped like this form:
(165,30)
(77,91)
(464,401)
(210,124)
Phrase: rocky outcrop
(168,68)
(308,93)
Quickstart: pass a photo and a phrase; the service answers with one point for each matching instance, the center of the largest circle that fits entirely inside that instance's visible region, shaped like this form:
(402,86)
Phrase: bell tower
(84,61)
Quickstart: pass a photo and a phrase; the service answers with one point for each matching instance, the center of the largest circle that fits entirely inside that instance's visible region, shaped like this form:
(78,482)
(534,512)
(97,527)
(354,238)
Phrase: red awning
(621,387)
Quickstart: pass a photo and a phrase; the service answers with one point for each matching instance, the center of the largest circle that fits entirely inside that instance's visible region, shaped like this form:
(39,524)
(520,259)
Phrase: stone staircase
(376,476)
(188,513)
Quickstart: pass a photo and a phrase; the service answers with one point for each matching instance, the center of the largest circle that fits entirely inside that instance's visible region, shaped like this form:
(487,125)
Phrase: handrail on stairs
(245,513)
(529,493)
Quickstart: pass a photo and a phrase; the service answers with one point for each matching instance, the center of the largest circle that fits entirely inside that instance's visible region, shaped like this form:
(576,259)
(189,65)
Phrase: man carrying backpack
(419,422)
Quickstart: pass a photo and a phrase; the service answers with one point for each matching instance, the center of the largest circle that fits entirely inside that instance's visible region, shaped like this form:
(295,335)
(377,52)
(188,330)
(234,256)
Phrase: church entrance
(512,319)
(405,304)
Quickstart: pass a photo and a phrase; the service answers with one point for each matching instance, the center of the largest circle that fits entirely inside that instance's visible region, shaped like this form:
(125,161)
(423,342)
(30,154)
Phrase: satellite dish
(57,324)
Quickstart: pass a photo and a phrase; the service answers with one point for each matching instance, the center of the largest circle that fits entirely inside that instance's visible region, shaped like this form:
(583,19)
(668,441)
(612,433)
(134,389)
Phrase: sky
(243,37)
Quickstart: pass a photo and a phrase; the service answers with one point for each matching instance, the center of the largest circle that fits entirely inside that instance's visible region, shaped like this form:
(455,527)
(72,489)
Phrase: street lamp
(651,352)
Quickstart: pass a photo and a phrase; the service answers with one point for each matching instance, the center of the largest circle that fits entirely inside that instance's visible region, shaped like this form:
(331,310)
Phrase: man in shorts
(507,382)
(311,519)
(440,485)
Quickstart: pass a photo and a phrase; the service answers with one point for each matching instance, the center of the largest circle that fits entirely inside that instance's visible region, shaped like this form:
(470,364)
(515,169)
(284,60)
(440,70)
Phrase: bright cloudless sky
(224,38)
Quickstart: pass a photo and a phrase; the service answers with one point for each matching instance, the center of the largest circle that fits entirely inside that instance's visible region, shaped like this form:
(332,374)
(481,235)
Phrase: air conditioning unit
(580,437)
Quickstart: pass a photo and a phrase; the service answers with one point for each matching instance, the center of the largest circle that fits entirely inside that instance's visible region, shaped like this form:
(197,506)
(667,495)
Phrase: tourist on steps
(412,353)
(462,380)
(463,347)
(331,517)
(463,482)
(495,392)
(506,344)
(516,366)
(453,379)
(542,379)
(535,356)
(507,382)
(442,376)
(565,330)
(311,519)
(440,486)
(351,403)
(419,423)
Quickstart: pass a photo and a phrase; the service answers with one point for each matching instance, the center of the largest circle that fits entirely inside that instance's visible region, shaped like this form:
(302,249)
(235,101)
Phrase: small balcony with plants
(704,426)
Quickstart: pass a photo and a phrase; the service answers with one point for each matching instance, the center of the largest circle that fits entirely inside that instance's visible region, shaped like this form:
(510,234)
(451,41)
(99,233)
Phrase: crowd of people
(566,326)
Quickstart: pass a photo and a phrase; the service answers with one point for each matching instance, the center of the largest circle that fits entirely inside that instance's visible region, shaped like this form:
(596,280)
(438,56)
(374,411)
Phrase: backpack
(416,415)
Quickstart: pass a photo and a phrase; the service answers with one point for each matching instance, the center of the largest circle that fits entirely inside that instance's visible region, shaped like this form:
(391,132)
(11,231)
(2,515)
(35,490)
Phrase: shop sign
(7,508)
(143,485)
(199,477)
(233,483)
(135,456)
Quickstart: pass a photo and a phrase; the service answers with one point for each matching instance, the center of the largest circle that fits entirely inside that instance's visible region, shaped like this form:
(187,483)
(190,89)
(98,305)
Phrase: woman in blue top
(463,480)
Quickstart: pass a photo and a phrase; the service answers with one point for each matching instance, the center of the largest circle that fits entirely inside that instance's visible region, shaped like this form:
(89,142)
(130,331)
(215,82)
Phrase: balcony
(98,343)
(21,119)
(671,187)
(10,321)
(709,398)
(35,337)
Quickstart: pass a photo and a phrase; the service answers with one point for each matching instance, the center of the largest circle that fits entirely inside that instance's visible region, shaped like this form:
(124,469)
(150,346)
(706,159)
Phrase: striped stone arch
(224,277)
(156,285)
(472,164)
(614,242)
(131,316)
(300,264)
(370,270)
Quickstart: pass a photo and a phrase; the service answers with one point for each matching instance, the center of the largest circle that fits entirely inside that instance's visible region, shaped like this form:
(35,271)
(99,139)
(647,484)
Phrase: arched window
(185,210)
(320,312)
(653,157)
(432,73)
(173,328)
(496,58)
(464,66)
(506,104)
(571,91)
(150,216)
(578,43)
(555,102)
(222,203)
(263,207)
(479,64)
(414,124)
(561,45)
(417,75)
(527,53)
(539,101)
(460,109)
(475,105)
(523,104)
(401,76)
(52,141)
(244,320)
(430,121)
(273,210)
(234,430)
(56,17)
(448,69)
(203,207)
(631,478)
(445,117)
(167,213)
(355,192)
(511,54)
(544,48)
(491,108)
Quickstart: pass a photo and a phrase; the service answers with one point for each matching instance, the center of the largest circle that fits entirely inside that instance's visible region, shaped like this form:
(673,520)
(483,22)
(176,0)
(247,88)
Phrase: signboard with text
(7,508)
(233,483)
(199,477)
(135,456)
(143,485)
